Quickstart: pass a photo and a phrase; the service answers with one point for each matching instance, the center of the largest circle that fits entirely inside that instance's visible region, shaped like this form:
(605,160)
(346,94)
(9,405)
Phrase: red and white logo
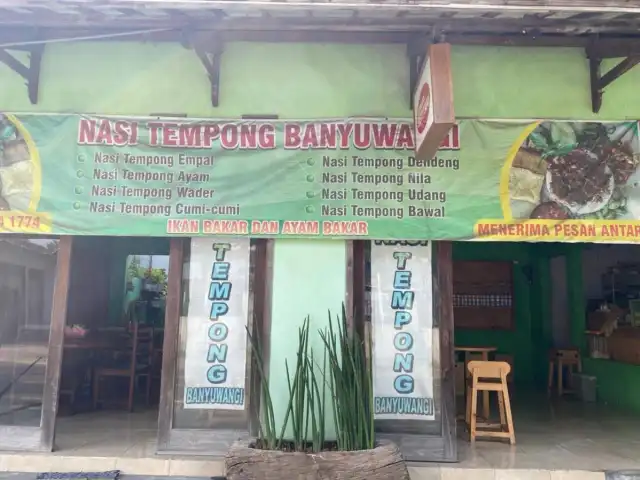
(424,102)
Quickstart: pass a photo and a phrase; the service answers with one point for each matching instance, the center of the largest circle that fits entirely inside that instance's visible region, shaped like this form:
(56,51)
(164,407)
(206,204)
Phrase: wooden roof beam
(29,72)
(600,82)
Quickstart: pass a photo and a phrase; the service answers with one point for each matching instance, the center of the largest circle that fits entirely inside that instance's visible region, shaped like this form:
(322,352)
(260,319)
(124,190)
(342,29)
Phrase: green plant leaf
(562,133)
(346,384)
(559,150)
(539,141)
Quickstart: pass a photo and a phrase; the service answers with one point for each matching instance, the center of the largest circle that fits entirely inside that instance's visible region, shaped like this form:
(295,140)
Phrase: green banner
(350,178)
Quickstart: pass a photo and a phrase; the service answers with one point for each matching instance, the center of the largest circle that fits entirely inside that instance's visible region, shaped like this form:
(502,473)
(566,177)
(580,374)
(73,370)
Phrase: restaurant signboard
(340,178)
(433,101)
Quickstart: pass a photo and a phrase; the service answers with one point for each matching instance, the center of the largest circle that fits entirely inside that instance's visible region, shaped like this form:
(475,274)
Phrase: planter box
(382,463)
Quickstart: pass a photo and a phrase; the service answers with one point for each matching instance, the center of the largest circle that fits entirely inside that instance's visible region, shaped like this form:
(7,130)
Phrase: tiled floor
(108,433)
(560,435)
(550,437)
(110,440)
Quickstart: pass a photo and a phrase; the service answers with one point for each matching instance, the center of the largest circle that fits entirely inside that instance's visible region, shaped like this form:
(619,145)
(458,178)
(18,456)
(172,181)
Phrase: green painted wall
(618,384)
(509,82)
(311,80)
(309,279)
(302,80)
(541,316)
(576,300)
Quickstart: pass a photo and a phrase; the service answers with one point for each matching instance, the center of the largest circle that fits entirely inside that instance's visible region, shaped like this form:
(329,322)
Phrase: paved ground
(618,475)
(32,476)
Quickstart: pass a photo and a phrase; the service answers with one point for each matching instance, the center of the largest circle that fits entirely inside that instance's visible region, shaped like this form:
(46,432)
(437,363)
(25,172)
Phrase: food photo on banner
(577,170)
(337,178)
(402,318)
(571,181)
(216,321)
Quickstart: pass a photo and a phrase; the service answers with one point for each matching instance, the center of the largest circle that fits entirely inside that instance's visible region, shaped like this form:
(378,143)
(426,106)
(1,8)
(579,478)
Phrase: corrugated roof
(491,16)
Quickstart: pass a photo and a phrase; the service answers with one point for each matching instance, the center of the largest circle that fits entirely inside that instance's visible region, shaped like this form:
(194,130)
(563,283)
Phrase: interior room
(111,367)
(563,316)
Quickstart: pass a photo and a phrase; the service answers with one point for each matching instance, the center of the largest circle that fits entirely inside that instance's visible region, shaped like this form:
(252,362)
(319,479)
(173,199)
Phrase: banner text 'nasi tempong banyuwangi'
(349,178)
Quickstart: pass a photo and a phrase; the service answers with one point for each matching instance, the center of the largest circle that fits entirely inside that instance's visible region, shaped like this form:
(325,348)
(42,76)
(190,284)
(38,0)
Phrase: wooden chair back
(495,372)
(135,356)
(568,357)
(142,347)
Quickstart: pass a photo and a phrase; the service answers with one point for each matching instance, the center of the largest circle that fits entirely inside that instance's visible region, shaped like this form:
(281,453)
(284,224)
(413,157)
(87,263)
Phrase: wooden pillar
(170,346)
(443,323)
(56,343)
(263,273)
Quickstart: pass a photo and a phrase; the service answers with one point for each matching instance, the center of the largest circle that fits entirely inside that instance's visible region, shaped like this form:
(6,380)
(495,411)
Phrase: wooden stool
(470,357)
(563,357)
(489,377)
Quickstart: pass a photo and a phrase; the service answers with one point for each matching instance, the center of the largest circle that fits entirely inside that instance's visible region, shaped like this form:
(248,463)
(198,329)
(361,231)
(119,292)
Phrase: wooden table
(484,351)
(78,362)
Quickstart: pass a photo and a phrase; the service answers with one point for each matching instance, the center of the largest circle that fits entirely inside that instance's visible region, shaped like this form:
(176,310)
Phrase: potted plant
(340,386)
(155,280)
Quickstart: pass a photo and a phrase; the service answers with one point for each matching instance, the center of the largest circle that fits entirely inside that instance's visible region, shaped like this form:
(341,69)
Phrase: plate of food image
(579,182)
(630,198)
(574,170)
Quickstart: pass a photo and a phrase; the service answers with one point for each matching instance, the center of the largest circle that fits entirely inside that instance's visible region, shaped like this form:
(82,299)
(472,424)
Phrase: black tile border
(622,475)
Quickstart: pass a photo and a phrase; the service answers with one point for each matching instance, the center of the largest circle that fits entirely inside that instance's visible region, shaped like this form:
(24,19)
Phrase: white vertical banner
(402,317)
(216,347)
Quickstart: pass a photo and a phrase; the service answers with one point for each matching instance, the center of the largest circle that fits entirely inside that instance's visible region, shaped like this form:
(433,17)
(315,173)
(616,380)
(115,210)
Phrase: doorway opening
(113,344)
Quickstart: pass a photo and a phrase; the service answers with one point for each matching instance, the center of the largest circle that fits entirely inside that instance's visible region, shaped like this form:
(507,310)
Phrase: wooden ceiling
(529,18)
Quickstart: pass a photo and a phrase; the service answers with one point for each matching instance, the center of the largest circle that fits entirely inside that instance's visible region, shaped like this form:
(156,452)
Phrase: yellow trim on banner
(25,222)
(605,231)
(505,199)
(35,161)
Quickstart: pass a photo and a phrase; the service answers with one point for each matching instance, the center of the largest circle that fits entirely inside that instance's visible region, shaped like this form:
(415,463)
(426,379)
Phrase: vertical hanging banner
(402,315)
(216,349)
